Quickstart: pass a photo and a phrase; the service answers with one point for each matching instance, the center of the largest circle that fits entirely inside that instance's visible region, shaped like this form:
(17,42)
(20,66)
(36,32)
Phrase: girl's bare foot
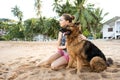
(43,64)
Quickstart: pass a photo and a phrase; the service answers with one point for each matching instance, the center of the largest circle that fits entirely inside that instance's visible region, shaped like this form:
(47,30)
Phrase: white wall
(41,37)
(117,29)
(105,31)
(117,26)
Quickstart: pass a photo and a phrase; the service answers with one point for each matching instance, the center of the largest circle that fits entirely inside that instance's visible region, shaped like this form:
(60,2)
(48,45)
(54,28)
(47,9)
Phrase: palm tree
(38,7)
(18,29)
(87,16)
(63,8)
(77,9)
(94,24)
(17,13)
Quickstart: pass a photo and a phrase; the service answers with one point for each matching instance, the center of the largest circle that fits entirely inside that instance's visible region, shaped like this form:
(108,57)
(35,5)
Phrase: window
(110,29)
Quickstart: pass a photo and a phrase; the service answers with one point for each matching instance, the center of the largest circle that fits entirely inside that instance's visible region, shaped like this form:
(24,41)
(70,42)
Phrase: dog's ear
(80,29)
(71,24)
(77,23)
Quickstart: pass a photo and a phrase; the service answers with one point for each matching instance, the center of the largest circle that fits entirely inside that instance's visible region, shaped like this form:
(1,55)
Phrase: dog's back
(91,51)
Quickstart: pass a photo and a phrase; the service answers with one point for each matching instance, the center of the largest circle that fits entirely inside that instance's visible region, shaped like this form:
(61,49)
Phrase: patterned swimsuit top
(63,40)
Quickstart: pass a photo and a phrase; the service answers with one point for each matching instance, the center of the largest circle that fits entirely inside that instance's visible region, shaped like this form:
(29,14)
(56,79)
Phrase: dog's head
(72,28)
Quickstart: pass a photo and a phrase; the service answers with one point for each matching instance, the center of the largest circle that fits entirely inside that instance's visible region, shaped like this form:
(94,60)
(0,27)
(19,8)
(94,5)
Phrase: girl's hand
(58,48)
(61,47)
(82,37)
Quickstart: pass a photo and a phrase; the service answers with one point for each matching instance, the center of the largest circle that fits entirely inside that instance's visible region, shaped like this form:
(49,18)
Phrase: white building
(111,28)
(41,37)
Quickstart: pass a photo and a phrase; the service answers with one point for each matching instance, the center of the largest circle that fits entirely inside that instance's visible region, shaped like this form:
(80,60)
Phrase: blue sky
(27,7)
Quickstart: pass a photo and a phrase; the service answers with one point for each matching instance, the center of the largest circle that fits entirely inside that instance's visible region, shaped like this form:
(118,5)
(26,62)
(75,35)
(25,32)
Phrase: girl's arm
(59,41)
(82,37)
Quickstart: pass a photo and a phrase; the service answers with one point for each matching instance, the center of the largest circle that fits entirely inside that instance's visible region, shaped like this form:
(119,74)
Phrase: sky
(27,7)
(110,6)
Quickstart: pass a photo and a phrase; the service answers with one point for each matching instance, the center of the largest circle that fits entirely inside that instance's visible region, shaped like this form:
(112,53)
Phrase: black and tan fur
(83,52)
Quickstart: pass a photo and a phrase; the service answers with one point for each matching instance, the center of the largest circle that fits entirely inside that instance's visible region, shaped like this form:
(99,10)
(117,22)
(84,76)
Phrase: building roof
(112,20)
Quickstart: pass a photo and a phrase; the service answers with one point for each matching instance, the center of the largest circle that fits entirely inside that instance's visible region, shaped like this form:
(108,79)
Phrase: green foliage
(98,35)
(86,33)
(14,32)
(2,38)
(50,27)
(63,8)
(30,25)
(89,17)
(46,26)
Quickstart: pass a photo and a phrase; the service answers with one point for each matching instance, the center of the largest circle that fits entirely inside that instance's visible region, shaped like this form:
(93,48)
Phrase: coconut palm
(63,8)
(76,8)
(17,13)
(88,16)
(38,7)
(94,24)
(18,29)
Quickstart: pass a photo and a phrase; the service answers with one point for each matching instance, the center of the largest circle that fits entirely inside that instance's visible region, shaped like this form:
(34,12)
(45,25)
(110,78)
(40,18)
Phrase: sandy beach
(18,60)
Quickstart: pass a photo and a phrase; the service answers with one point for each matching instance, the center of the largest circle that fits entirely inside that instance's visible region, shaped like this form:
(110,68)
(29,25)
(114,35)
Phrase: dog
(83,52)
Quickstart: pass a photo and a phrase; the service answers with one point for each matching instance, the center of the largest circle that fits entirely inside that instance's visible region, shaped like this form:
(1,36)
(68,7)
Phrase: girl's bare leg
(49,60)
(58,63)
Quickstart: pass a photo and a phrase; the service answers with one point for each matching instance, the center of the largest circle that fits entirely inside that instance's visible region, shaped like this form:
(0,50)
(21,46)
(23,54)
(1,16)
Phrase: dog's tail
(109,62)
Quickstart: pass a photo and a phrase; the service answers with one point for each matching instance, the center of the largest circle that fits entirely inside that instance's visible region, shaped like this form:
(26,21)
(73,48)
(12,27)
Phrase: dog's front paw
(78,72)
(68,67)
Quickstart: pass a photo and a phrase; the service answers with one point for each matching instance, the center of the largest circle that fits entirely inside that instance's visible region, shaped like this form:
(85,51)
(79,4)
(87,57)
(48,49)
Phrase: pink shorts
(64,53)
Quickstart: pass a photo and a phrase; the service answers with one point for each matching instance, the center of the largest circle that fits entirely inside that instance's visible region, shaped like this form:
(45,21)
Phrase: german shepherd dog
(84,52)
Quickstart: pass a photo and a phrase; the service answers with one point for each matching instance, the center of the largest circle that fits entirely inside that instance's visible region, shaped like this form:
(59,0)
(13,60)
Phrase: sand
(18,61)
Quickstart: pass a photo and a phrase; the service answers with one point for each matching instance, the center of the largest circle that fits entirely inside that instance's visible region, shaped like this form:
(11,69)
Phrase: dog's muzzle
(65,31)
